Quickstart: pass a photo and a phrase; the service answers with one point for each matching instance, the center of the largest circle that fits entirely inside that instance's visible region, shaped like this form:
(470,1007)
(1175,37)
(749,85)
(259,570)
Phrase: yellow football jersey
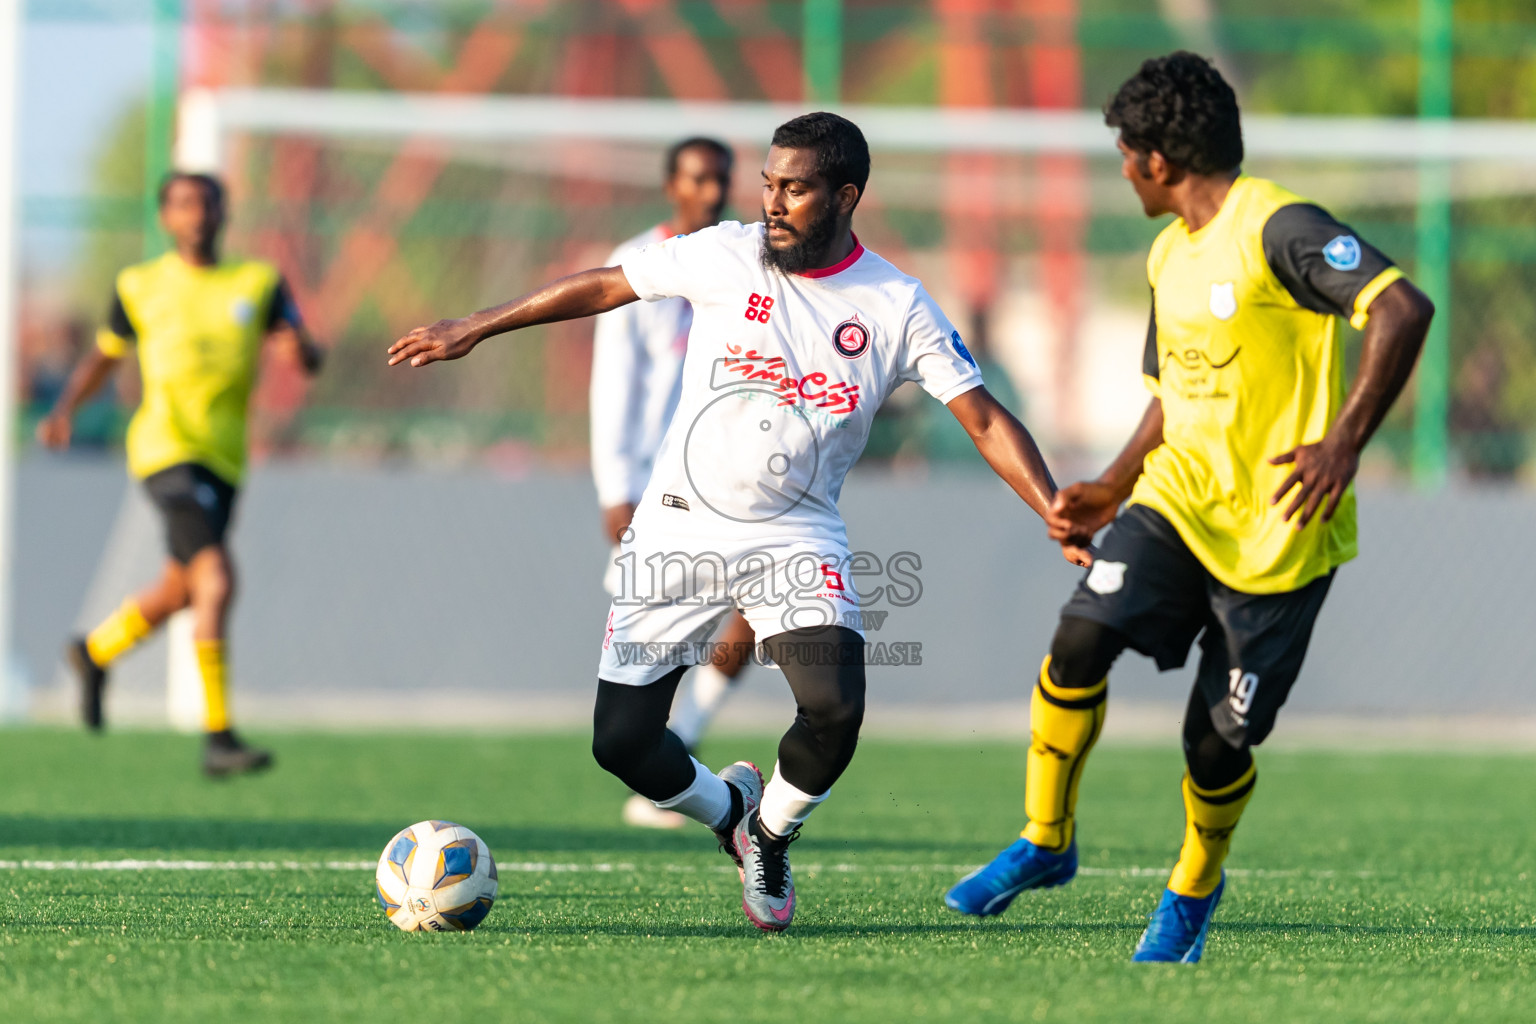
(1244,351)
(198,331)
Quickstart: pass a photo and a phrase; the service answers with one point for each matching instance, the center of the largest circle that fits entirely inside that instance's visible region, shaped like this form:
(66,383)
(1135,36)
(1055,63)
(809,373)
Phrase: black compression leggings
(1213,762)
(825,670)
(630,737)
(1082,653)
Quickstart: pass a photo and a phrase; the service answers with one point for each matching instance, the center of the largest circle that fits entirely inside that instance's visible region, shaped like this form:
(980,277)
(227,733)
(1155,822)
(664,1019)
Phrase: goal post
(13,695)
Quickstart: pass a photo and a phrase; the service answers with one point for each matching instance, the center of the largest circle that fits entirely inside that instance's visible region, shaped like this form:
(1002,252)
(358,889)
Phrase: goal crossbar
(207,116)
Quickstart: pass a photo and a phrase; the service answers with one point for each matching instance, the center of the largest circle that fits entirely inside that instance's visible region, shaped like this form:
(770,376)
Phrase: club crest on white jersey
(850,338)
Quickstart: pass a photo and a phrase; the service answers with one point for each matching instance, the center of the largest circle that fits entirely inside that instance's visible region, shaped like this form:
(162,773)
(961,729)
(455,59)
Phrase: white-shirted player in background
(799,334)
(637,375)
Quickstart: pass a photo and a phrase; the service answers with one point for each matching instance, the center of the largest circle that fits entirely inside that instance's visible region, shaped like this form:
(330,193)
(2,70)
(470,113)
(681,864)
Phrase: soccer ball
(437,877)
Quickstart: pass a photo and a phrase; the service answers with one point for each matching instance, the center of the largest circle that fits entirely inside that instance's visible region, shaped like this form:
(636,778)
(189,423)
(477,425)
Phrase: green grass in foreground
(1380,887)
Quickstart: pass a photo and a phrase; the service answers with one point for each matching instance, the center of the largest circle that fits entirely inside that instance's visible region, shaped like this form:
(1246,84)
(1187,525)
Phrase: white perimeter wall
(409,597)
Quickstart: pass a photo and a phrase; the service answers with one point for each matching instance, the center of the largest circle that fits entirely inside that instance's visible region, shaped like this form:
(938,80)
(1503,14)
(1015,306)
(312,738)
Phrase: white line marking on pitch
(185,865)
(547,867)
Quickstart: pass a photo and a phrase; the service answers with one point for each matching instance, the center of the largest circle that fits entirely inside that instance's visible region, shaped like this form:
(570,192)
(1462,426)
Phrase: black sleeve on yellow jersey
(1149,363)
(1322,263)
(283,310)
(117,319)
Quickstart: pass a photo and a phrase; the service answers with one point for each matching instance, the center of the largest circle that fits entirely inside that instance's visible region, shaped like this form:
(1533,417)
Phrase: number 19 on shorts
(1242,686)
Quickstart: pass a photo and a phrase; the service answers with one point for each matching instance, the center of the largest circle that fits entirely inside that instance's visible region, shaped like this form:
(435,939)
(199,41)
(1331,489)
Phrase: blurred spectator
(1491,445)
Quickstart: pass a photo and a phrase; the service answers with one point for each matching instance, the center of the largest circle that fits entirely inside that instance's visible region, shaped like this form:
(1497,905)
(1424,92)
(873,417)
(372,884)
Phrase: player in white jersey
(637,374)
(799,334)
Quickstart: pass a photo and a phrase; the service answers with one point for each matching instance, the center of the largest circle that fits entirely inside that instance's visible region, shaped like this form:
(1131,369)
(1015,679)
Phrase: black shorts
(196,504)
(1147,585)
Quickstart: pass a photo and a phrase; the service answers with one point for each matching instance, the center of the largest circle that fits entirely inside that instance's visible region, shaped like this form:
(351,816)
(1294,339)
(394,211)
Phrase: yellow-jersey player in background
(199,323)
(1238,482)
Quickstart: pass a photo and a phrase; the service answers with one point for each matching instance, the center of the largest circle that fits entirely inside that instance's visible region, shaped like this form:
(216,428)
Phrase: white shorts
(673,592)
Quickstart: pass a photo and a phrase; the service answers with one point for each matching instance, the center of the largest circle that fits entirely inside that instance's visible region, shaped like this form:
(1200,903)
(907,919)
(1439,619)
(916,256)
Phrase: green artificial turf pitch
(1386,887)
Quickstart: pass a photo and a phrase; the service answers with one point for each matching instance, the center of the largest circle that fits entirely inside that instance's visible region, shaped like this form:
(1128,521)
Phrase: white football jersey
(782,379)
(637,369)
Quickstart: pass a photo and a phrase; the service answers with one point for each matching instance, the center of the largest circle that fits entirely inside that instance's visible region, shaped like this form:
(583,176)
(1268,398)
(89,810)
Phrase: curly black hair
(1181,107)
(842,155)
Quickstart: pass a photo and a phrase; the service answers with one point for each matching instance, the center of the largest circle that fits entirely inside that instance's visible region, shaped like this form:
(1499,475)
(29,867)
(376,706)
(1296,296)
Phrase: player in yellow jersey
(1238,482)
(199,323)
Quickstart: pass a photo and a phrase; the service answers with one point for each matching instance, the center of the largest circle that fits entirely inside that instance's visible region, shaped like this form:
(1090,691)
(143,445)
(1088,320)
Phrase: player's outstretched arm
(1399,321)
(1081,510)
(1009,449)
(570,298)
(1006,445)
(85,380)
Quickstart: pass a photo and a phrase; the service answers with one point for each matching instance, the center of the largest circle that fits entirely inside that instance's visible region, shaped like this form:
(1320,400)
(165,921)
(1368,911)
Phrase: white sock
(708,800)
(784,806)
(697,704)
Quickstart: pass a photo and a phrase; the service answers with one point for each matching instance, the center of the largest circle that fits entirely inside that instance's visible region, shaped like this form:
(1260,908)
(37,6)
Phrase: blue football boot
(1177,932)
(989,890)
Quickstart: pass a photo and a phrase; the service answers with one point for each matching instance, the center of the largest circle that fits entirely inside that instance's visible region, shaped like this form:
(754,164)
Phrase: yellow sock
(210,660)
(117,634)
(1064,723)
(1210,815)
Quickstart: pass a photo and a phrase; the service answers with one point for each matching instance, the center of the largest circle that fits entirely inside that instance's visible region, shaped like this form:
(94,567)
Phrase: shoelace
(775,861)
(727,841)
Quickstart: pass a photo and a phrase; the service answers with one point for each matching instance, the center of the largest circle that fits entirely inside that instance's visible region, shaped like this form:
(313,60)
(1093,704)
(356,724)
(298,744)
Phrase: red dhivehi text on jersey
(816,389)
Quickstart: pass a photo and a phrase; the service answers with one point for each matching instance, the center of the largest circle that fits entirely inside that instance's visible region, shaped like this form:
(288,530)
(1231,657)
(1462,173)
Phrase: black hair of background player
(842,155)
(715,146)
(214,186)
(1181,107)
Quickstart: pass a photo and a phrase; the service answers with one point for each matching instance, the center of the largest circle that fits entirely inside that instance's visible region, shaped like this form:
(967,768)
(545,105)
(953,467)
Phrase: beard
(808,250)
